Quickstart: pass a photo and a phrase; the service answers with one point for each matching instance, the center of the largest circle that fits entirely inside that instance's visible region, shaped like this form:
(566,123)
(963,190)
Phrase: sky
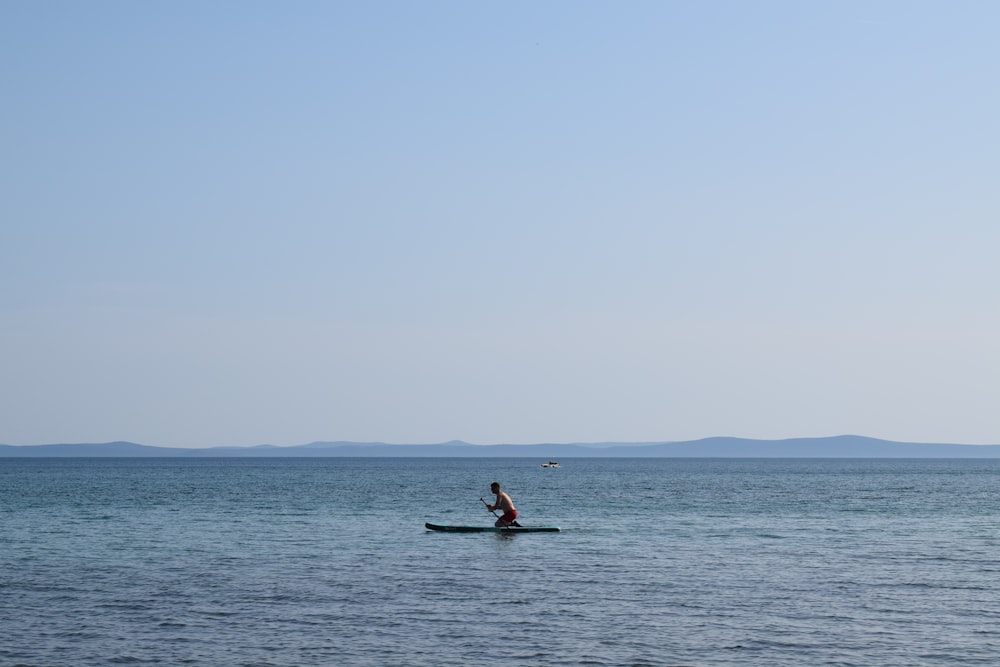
(236,223)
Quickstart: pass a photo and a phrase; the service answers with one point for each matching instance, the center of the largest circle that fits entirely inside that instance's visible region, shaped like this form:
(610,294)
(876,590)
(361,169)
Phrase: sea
(268,562)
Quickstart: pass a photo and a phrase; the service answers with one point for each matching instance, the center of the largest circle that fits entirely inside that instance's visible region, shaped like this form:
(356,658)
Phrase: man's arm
(502,501)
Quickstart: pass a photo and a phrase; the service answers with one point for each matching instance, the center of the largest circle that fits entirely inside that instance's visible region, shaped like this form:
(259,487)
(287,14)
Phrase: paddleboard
(491,529)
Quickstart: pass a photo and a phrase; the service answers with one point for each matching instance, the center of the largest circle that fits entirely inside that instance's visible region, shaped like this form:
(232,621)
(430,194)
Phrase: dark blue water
(299,562)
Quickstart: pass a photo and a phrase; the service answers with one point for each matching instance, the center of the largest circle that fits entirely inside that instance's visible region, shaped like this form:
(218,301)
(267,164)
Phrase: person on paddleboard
(503,502)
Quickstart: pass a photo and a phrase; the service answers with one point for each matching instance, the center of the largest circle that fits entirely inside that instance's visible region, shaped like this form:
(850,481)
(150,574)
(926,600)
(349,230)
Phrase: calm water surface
(301,562)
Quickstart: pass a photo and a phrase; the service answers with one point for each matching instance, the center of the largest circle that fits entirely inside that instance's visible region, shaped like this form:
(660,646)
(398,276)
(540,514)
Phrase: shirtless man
(503,502)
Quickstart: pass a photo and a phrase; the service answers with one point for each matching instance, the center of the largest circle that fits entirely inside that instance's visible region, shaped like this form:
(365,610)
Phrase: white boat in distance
(551,464)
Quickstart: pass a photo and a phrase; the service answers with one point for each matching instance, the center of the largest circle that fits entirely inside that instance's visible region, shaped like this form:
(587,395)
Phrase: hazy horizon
(848,442)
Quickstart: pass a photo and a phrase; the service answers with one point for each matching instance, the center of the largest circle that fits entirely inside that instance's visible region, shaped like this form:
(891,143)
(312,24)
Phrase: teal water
(299,562)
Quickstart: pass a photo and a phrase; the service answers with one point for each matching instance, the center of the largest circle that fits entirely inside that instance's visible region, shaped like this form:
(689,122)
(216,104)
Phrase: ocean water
(301,562)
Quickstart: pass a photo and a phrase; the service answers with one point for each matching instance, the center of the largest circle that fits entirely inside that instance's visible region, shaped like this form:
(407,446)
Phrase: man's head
(495,487)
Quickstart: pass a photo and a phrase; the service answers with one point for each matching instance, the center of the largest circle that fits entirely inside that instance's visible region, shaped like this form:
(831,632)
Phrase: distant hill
(106,449)
(843,446)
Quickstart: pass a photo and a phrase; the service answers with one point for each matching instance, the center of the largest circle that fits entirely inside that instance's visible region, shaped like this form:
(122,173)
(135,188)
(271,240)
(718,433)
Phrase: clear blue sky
(233,223)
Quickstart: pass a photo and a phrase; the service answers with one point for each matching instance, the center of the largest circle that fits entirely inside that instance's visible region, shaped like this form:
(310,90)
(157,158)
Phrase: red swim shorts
(509,516)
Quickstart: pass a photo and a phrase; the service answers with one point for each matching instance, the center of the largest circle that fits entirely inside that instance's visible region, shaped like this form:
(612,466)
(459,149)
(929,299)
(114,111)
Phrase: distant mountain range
(843,446)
